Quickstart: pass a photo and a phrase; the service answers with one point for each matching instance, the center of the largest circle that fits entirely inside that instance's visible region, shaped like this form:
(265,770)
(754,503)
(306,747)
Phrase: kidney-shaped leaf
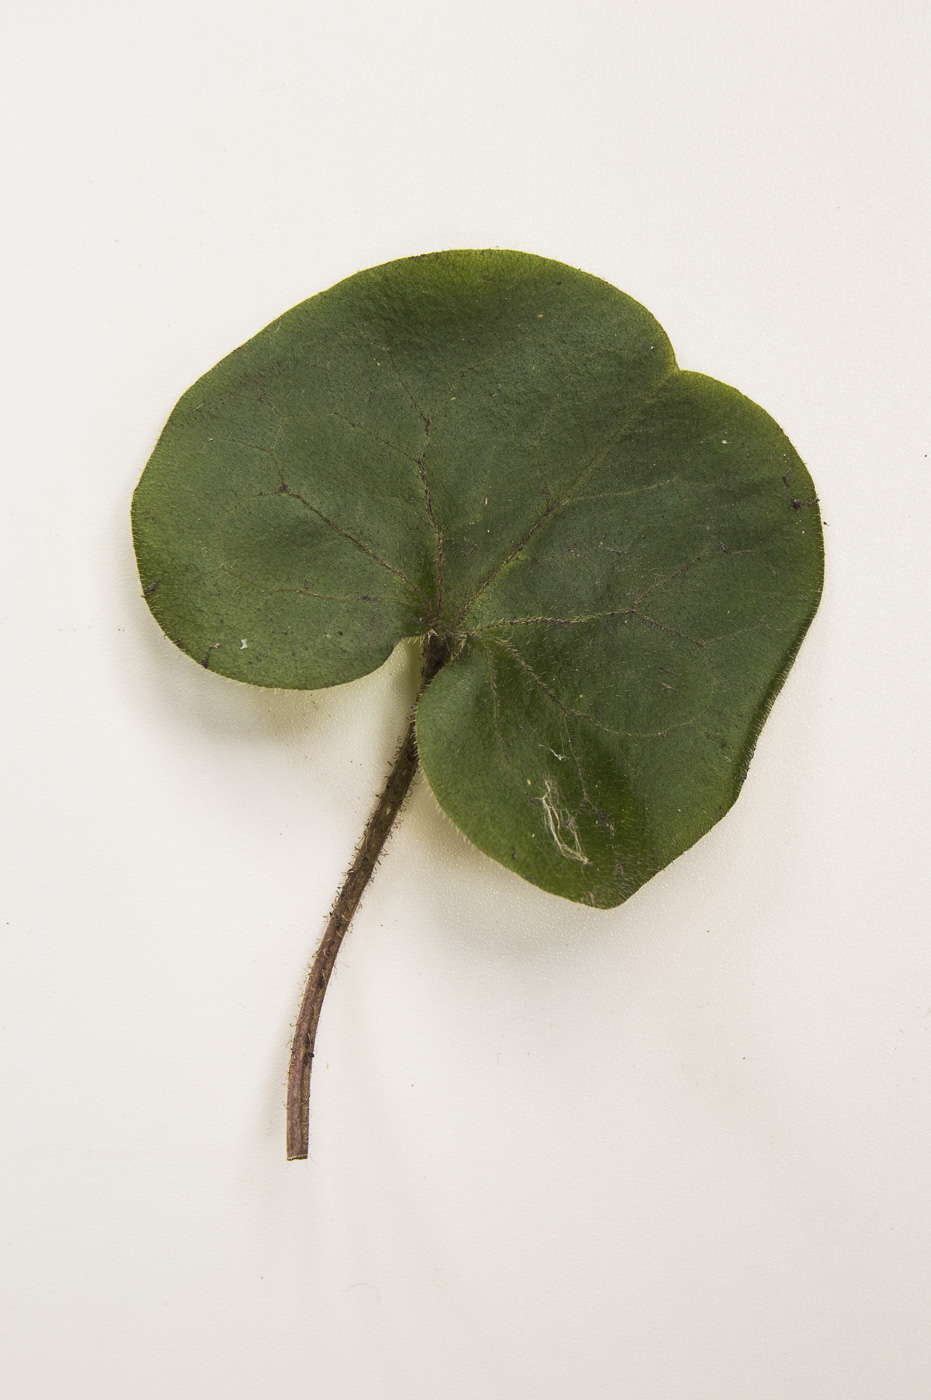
(622,557)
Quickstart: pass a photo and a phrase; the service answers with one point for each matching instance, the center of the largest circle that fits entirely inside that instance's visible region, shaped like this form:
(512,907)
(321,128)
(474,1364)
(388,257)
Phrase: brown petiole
(437,651)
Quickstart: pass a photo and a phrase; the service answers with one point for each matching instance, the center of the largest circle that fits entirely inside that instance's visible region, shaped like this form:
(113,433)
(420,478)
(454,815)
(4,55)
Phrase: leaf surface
(501,450)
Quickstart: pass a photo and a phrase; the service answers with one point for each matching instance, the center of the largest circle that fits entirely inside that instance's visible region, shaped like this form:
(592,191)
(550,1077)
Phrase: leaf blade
(497,447)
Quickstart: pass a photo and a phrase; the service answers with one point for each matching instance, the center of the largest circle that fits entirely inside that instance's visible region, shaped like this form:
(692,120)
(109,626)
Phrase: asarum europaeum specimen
(609,562)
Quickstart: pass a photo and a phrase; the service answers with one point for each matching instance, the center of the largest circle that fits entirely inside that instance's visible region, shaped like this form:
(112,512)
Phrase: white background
(677,1151)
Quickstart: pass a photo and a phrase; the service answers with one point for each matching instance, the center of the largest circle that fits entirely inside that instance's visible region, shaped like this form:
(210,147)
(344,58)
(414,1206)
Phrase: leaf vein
(664,627)
(496,714)
(580,714)
(544,688)
(375,437)
(285,490)
(567,496)
(300,591)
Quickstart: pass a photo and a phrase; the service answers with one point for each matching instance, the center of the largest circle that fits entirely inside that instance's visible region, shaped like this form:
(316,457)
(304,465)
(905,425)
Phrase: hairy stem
(435,655)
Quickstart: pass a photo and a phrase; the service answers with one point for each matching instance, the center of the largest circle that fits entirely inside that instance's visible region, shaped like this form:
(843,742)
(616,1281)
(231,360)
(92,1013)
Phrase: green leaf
(622,557)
